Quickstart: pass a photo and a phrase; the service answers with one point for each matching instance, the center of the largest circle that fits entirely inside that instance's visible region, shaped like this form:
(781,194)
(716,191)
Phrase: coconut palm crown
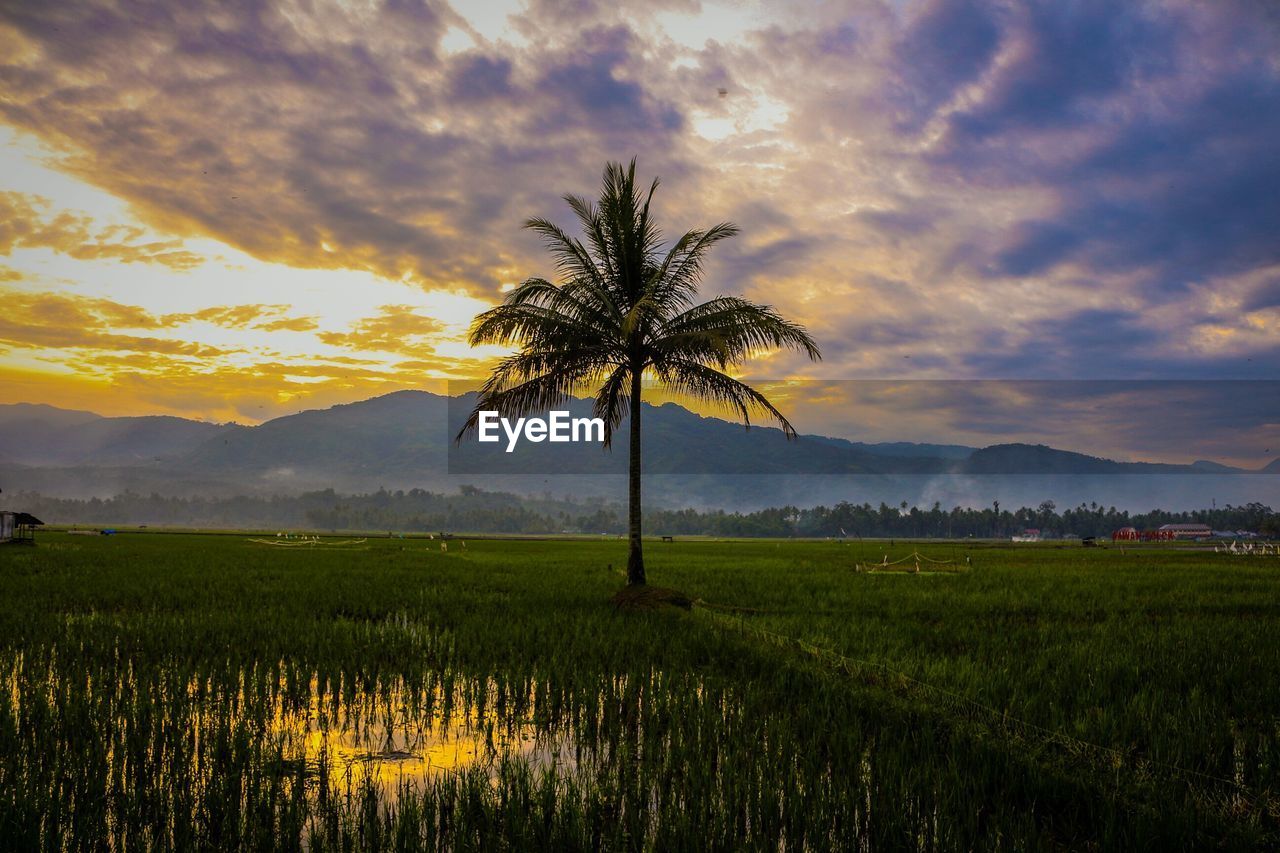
(625,307)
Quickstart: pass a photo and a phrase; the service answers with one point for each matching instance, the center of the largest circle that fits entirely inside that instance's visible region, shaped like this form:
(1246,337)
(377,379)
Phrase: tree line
(475,510)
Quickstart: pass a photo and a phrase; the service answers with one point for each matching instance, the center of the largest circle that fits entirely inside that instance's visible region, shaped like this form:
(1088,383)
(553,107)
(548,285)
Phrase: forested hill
(403,441)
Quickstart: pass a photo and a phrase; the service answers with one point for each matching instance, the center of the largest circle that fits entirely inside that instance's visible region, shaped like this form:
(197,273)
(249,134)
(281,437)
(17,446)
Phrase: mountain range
(405,440)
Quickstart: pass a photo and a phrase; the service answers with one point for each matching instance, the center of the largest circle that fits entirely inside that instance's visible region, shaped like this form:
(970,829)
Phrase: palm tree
(624,307)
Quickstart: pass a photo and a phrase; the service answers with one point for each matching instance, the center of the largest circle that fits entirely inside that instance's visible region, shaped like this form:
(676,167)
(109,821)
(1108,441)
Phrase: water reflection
(279,755)
(398,737)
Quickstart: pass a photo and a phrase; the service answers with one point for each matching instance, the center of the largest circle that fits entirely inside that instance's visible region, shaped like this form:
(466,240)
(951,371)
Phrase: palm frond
(580,299)
(587,363)
(535,394)
(675,281)
(734,328)
(589,218)
(612,403)
(528,324)
(708,384)
(572,258)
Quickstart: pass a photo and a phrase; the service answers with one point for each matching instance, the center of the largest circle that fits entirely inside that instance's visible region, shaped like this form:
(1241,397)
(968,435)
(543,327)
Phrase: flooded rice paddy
(213,696)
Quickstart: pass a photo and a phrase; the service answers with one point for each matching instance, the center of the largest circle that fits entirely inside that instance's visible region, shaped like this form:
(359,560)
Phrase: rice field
(199,691)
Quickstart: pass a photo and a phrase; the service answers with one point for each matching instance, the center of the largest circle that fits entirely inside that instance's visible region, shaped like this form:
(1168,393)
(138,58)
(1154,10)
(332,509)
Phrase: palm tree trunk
(635,556)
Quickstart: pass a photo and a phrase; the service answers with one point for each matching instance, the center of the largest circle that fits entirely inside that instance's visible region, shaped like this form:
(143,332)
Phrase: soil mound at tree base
(645,597)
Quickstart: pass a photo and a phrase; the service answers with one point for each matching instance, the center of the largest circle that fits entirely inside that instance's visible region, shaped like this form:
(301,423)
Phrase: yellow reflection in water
(394,739)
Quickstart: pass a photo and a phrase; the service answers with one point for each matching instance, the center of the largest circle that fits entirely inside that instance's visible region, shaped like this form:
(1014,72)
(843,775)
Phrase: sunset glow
(238,215)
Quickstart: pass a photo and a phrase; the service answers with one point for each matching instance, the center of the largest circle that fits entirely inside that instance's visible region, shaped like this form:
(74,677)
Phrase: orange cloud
(57,320)
(397,329)
(117,368)
(25,223)
(288,324)
(231,316)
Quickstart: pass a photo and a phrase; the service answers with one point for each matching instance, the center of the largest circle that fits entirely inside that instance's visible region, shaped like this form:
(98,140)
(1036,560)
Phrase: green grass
(204,691)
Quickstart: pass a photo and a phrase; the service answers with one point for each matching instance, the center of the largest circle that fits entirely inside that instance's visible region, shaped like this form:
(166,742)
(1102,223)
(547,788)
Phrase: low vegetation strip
(476,510)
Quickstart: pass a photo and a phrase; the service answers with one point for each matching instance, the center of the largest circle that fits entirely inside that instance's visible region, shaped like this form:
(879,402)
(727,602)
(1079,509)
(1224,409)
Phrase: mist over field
(402,442)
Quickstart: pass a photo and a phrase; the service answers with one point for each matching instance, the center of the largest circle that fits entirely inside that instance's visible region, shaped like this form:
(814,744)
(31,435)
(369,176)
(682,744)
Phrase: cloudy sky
(238,212)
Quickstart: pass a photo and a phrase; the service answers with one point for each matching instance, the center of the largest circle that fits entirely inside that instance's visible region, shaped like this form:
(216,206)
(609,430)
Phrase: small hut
(18,527)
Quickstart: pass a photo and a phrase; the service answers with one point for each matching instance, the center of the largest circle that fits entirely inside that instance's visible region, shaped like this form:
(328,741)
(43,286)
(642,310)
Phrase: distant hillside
(46,436)
(676,441)
(906,448)
(381,435)
(1213,467)
(19,413)
(1040,459)
(404,441)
